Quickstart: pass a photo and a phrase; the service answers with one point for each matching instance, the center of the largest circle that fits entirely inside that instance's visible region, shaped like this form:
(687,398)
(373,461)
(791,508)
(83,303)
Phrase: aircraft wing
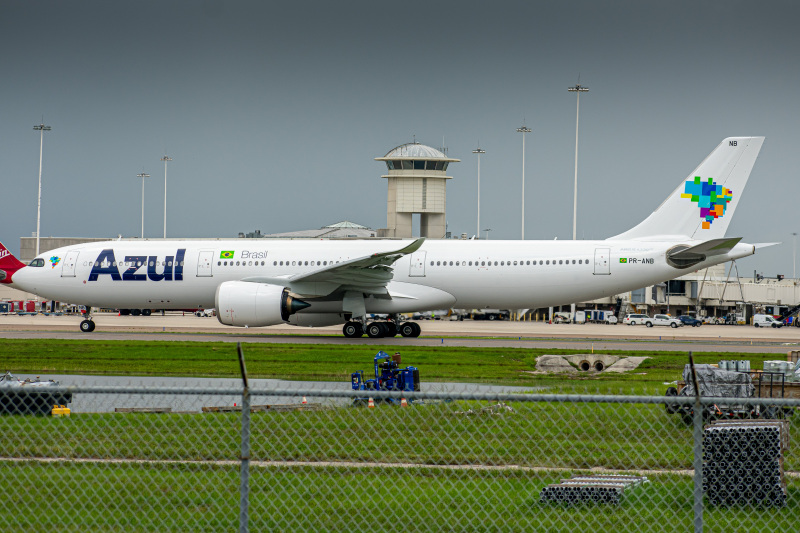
(369,274)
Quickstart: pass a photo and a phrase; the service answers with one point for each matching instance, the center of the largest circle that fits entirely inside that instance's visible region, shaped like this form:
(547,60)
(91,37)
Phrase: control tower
(417,185)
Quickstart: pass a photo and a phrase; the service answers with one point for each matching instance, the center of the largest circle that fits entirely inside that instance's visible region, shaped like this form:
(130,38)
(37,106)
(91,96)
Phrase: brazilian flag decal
(623,259)
(226,254)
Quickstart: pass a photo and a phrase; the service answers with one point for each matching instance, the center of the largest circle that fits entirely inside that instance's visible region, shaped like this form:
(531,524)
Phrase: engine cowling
(241,303)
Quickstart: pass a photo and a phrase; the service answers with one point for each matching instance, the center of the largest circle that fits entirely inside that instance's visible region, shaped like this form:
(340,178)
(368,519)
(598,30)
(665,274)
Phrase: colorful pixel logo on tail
(711,198)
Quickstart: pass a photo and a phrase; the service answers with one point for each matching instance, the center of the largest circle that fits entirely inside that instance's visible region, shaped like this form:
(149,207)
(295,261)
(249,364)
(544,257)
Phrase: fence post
(244,468)
(697,435)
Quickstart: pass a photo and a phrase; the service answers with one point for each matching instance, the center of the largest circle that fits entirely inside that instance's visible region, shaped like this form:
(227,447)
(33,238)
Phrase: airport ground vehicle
(663,320)
(490,314)
(690,321)
(388,376)
(634,318)
(766,321)
(562,318)
(733,388)
(205,312)
(135,312)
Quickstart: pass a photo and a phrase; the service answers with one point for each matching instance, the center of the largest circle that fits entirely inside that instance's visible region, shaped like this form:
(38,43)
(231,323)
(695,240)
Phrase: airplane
(254,283)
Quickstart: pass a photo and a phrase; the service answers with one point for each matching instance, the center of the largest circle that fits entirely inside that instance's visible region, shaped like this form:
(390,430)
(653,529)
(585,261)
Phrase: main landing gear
(87,324)
(354,329)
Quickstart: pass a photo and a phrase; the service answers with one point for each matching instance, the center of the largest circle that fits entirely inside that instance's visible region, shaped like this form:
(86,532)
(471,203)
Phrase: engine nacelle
(241,303)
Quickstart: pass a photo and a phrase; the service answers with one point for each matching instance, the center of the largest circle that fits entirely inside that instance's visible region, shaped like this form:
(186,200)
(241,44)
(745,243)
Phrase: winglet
(410,249)
(8,264)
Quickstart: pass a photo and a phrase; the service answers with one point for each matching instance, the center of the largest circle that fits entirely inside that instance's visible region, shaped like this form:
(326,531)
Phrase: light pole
(41,128)
(523,130)
(143,176)
(479,152)
(794,255)
(487,230)
(578,89)
(165,159)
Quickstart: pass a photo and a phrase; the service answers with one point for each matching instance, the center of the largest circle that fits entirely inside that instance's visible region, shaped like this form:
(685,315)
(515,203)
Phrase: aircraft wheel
(146,312)
(136,312)
(417,330)
(87,326)
(376,330)
(407,329)
(352,330)
(391,329)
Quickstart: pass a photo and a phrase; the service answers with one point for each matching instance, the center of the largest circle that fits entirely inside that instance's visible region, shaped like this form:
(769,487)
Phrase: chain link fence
(166,458)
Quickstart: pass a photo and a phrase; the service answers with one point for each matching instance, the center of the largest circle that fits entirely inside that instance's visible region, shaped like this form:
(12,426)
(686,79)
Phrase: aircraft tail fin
(8,264)
(702,206)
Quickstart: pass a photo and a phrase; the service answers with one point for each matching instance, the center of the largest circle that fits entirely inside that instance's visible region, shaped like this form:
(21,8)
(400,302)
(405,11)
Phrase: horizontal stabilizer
(765,244)
(708,248)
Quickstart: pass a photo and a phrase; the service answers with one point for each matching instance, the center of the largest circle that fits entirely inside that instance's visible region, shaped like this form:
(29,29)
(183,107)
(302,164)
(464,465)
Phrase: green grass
(76,496)
(560,435)
(329,362)
(297,498)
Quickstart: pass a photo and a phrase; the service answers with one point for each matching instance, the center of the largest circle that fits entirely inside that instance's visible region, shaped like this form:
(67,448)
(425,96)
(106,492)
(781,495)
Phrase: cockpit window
(38,262)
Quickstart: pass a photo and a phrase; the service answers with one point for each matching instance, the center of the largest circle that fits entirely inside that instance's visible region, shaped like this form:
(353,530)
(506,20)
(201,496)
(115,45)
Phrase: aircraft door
(204,261)
(602,264)
(417,268)
(70,262)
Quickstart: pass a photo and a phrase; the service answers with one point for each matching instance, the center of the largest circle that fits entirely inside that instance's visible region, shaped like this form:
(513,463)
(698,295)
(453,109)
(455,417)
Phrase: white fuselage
(495,274)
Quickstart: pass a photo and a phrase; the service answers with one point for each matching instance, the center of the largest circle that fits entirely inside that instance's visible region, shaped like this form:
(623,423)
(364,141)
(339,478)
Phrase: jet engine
(242,303)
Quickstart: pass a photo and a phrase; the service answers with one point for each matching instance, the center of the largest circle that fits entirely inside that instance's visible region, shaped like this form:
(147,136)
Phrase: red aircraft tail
(8,264)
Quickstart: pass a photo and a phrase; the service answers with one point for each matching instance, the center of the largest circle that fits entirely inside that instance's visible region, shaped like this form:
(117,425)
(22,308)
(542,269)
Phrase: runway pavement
(180,327)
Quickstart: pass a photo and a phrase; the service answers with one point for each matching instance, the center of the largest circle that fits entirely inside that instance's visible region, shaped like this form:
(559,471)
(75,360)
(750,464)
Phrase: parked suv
(663,320)
(633,319)
(690,321)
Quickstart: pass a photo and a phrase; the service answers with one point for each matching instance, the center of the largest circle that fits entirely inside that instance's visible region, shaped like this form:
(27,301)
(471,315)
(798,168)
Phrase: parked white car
(633,319)
(663,320)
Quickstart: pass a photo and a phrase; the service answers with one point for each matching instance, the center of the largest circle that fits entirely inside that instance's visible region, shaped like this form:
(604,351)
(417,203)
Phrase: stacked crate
(743,462)
(601,489)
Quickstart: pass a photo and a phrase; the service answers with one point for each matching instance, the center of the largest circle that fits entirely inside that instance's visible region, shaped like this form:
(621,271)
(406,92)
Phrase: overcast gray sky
(274,111)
